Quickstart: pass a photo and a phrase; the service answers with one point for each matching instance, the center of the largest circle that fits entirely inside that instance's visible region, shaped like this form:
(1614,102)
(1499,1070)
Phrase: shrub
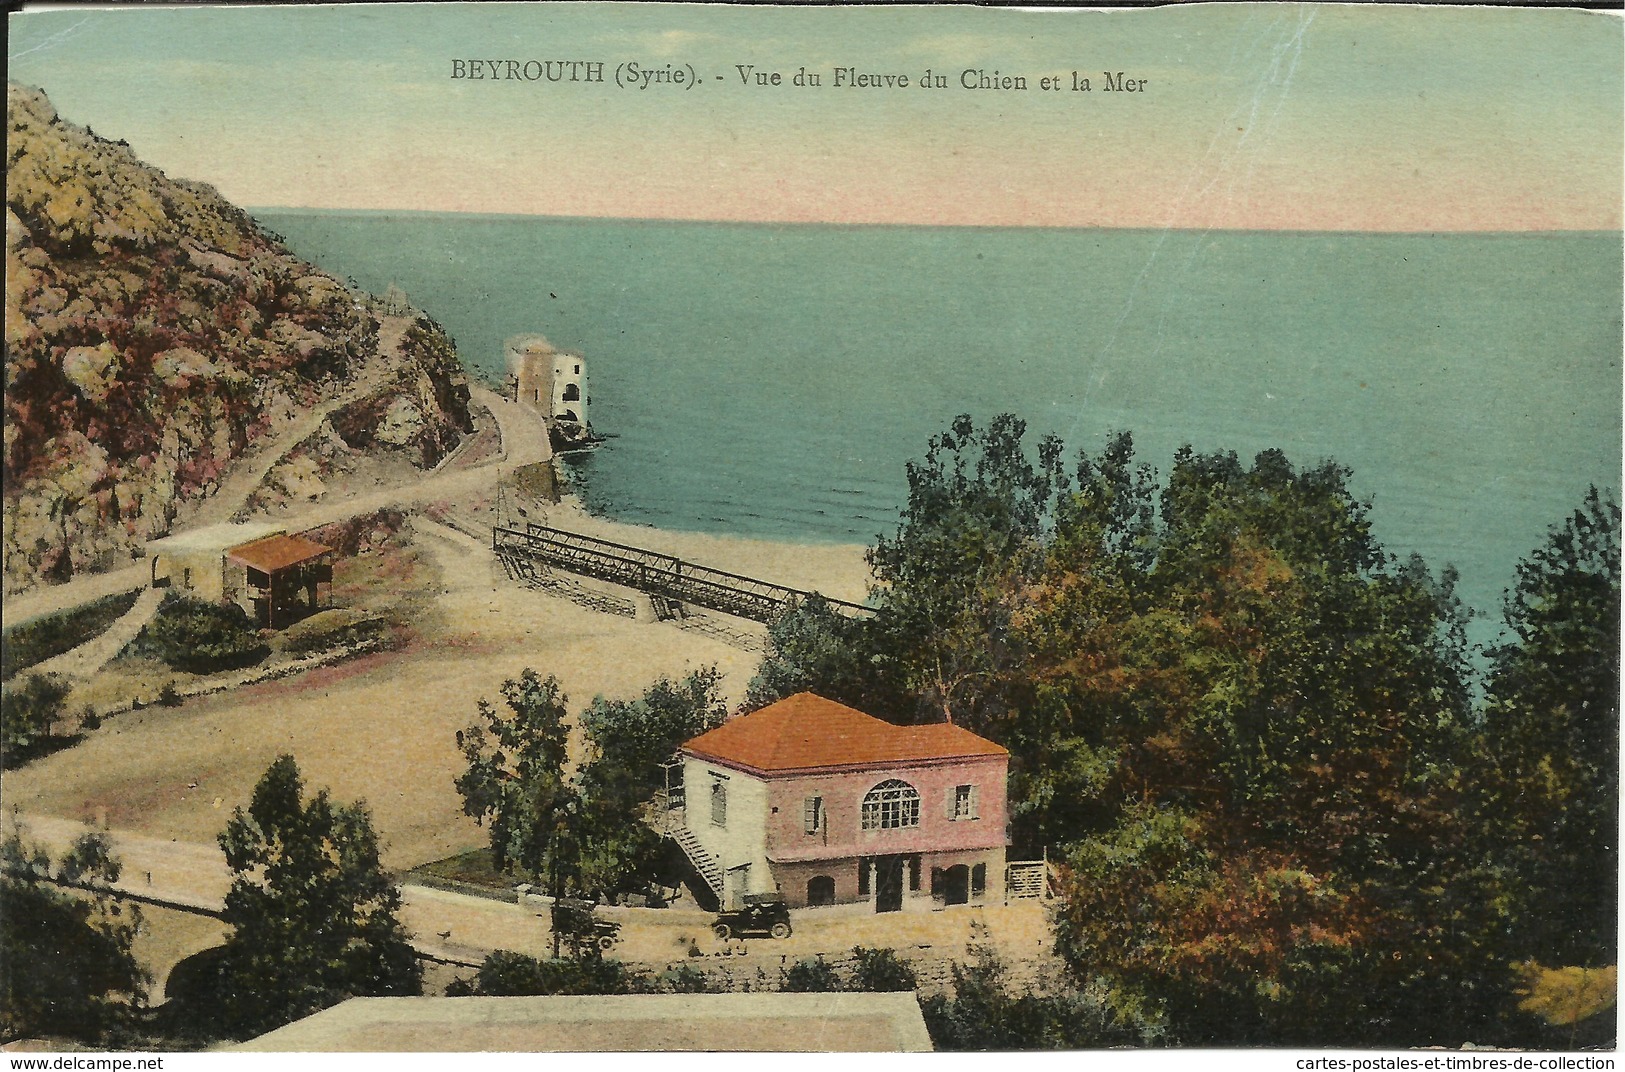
(200,637)
(687,979)
(28,713)
(810,977)
(509,974)
(984,1015)
(44,638)
(880,971)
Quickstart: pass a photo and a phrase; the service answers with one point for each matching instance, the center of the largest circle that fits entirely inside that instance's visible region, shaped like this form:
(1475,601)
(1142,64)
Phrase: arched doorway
(821,890)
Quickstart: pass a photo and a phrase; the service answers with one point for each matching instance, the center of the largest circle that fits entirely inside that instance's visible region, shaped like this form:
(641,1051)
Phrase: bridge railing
(656,573)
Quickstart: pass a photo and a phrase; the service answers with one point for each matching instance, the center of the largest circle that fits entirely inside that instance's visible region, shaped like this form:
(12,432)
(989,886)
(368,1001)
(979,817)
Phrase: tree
(812,648)
(29,710)
(584,834)
(313,915)
(628,740)
(515,779)
(626,743)
(1235,717)
(66,965)
(977,507)
(1551,741)
(1265,715)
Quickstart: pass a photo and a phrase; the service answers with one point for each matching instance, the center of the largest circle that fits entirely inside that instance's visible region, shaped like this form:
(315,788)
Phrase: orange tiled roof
(807,731)
(275,553)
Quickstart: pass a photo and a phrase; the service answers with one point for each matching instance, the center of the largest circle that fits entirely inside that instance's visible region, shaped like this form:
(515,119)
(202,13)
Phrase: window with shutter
(719,801)
(812,814)
(965,803)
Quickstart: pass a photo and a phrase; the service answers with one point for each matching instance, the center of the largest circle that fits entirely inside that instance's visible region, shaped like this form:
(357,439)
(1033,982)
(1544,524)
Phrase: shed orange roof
(806,731)
(274,553)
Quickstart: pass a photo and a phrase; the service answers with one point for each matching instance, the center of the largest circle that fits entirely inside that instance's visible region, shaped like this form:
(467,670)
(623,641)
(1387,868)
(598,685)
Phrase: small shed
(284,577)
(194,562)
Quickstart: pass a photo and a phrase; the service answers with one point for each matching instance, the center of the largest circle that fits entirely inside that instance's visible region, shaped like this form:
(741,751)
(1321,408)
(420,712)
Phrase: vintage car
(763,915)
(573,919)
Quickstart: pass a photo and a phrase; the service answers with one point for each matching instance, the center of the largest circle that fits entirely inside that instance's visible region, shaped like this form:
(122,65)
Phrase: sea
(774,380)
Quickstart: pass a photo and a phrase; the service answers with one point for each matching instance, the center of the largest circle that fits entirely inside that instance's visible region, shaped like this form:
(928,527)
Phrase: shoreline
(837,570)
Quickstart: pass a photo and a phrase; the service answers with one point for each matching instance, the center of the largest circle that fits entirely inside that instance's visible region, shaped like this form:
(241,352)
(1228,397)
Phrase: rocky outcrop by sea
(155,334)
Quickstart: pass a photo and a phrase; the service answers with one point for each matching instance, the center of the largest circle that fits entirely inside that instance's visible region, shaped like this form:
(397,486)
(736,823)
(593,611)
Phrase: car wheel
(780,930)
(721,931)
(606,943)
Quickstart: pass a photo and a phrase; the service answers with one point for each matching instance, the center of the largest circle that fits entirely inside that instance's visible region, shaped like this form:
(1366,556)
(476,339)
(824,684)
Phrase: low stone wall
(253,675)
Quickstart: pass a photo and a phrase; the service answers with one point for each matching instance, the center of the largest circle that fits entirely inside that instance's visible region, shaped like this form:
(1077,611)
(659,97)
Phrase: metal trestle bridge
(662,577)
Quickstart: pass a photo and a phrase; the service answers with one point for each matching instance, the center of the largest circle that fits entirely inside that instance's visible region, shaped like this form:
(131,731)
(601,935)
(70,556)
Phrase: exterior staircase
(703,861)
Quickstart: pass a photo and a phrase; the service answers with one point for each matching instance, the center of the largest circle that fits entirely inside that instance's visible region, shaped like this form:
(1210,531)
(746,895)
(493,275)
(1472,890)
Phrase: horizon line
(694,220)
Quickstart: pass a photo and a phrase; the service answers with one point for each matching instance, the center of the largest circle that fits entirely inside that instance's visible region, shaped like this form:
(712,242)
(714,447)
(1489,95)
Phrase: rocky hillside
(155,334)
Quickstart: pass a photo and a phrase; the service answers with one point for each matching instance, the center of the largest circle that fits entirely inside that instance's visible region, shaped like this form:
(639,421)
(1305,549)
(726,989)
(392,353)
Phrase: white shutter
(953,800)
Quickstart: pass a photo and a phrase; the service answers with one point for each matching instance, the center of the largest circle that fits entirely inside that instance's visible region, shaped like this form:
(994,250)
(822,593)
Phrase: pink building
(826,805)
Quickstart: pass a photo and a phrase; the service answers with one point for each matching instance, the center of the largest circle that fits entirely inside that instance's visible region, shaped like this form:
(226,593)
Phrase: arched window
(890,805)
(821,890)
(572,392)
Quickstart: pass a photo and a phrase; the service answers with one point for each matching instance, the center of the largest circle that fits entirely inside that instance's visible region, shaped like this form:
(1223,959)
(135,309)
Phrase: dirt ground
(380,728)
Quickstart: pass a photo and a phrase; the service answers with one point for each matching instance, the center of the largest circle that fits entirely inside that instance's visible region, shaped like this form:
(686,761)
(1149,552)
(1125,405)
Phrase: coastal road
(524,442)
(463,929)
(86,588)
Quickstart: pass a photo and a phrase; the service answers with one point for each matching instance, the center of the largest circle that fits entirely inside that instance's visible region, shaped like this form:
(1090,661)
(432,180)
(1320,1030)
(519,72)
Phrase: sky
(1270,116)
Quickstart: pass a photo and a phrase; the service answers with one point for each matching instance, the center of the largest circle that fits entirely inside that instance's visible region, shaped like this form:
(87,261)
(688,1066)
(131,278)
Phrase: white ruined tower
(554,384)
(569,389)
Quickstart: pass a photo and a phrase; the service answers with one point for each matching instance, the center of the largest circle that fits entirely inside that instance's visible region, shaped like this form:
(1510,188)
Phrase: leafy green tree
(515,779)
(1265,717)
(596,840)
(29,711)
(1238,720)
(313,915)
(66,965)
(1551,742)
(628,740)
(977,509)
(812,648)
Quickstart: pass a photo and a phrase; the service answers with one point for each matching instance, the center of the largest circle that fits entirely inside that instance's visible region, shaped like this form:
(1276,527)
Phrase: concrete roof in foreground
(641,1022)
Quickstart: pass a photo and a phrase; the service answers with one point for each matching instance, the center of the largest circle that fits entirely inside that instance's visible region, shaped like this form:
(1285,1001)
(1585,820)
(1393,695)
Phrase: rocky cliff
(155,335)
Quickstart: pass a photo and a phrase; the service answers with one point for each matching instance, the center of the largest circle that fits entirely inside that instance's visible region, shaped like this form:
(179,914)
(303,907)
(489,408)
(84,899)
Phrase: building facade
(825,805)
(551,382)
